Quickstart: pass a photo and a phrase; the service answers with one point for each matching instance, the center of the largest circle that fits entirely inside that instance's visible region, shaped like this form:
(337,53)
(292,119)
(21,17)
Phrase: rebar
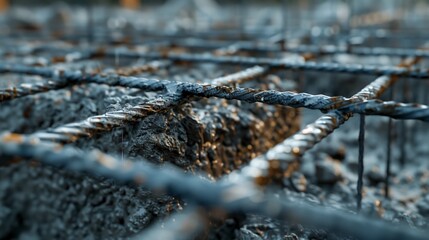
(237,192)
(286,98)
(26,89)
(102,123)
(232,198)
(390,108)
(313,49)
(277,63)
(283,159)
(361,163)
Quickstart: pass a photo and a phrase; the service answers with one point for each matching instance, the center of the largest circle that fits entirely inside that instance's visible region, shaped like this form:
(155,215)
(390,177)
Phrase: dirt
(43,202)
(209,137)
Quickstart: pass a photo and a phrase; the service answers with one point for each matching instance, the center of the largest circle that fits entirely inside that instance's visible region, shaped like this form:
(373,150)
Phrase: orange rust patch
(291,168)
(130,4)
(308,56)
(13,137)
(106,161)
(100,52)
(4,5)
(261,181)
(58,59)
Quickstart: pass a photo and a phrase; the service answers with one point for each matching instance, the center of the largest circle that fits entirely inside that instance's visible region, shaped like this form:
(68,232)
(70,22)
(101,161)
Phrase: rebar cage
(64,52)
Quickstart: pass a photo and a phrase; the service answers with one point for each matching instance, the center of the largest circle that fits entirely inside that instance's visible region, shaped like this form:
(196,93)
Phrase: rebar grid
(273,97)
(252,61)
(233,194)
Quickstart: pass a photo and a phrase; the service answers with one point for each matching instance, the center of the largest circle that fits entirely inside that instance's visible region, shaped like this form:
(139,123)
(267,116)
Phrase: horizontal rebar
(232,198)
(390,108)
(287,98)
(26,89)
(274,63)
(101,123)
(314,49)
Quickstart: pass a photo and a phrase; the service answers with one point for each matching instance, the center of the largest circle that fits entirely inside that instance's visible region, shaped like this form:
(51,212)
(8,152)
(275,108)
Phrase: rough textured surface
(62,205)
(213,136)
(210,135)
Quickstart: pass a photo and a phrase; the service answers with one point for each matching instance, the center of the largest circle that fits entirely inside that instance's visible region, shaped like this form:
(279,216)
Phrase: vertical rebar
(360,159)
(403,127)
(415,99)
(389,150)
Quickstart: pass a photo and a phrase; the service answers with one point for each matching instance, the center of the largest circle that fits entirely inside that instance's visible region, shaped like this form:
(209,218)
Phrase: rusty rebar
(101,123)
(361,163)
(230,197)
(26,89)
(276,63)
(283,159)
(390,108)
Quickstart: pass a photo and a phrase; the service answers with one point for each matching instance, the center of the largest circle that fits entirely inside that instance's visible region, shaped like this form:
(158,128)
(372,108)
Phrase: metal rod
(232,197)
(360,161)
(355,104)
(390,128)
(268,47)
(102,123)
(277,63)
(284,158)
(29,89)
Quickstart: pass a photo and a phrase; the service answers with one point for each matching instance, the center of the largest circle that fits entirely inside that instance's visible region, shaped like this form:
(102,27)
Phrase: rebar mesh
(147,69)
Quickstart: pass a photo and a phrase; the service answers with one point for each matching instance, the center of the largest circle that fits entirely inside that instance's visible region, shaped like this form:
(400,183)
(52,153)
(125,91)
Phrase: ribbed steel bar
(81,77)
(232,198)
(390,128)
(283,159)
(239,77)
(26,89)
(74,78)
(390,108)
(275,63)
(314,49)
(270,62)
(278,63)
(287,98)
(184,225)
(102,123)
(361,162)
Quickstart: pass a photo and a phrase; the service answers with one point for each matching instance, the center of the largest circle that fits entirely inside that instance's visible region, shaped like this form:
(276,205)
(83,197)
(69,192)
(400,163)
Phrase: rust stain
(4,5)
(106,161)
(58,59)
(13,138)
(291,168)
(99,53)
(130,4)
